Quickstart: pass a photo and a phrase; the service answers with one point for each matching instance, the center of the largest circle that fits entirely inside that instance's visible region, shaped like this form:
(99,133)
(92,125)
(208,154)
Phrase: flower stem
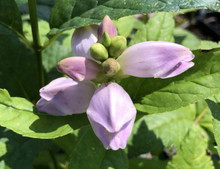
(36,39)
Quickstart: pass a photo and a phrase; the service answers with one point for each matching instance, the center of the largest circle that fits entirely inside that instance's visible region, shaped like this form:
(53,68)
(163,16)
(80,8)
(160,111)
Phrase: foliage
(178,120)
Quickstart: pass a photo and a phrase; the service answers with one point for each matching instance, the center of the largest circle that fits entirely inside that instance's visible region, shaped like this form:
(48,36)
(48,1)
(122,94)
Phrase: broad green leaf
(215,109)
(142,163)
(22,151)
(75,13)
(160,27)
(18,66)
(3,148)
(192,153)
(10,16)
(198,83)
(90,153)
(186,38)
(139,36)
(125,25)
(207,45)
(20,115)
(3,166)
(153,132)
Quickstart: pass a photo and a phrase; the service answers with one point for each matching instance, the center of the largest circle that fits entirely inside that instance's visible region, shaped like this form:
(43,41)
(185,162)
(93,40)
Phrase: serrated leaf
(192,153)
(198,83)
(215,109)
(74,14)
(90,153)
(153,132)
(20,115)
(160,27)
(10,15)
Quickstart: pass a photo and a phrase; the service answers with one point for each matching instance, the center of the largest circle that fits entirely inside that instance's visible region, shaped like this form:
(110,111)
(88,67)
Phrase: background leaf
(90,149)
(215,109)
(63,16)
(18,68)
(21,151)
(20,116)
(152,133)
(192,153)
(10,15)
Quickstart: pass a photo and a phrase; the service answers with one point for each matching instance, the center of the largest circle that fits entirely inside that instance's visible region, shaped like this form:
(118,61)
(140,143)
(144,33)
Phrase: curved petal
(107,26)
(115,140)
(155,59)
(111,107)
(79,68)
(82,39)
(64,96)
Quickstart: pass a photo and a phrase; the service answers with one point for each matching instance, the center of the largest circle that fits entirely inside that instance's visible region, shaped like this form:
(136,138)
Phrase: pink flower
(109,108)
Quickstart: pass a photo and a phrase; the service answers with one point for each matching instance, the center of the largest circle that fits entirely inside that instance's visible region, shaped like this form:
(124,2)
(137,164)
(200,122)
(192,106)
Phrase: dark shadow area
(215,109)
(47,123)
(144,141)
(21,151)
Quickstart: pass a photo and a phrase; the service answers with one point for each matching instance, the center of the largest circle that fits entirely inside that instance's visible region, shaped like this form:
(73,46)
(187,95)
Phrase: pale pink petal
(64,96)
(107,26)
(155,59)
(83,38)
(79,68)
(111,107)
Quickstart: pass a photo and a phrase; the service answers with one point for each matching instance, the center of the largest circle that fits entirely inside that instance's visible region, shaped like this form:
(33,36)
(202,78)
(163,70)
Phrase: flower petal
(82,39)
(111,107)
(115,140)
(64,96)
(79,68)
(155,59)
(107,26)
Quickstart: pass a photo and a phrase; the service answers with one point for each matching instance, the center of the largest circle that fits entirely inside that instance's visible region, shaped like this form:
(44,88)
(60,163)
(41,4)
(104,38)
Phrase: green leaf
(75,13)
(3,148)
(153,132)
(125,25)
(22,151)
(215,109)
(142,163)
(20,115)
(208,45)
(198,83)
(186,38)
(10,15)
(18,66)
(192,153)
(160,27)
(90,153)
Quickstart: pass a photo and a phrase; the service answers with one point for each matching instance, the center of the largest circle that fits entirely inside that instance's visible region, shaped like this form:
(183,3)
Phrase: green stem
(36,39)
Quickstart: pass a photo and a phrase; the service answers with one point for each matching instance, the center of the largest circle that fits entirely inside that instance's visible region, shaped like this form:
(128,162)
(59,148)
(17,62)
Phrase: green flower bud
(99,52)
(118,45)
(110,67)
(106,40)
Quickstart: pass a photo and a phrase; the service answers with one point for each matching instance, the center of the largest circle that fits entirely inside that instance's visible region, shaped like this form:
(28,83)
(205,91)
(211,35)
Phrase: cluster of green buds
(107,51)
